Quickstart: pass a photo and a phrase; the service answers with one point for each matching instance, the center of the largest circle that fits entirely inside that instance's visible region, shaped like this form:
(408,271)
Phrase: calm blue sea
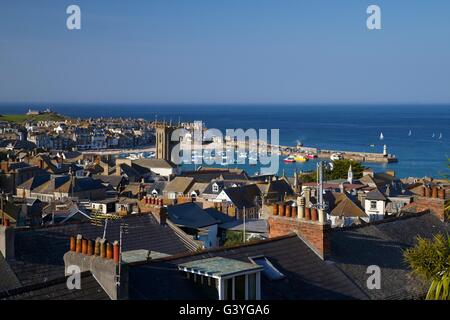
(329,127)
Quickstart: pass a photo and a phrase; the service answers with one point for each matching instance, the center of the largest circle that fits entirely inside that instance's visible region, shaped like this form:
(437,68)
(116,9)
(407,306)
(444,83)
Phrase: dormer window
(233,279)
(269,270)
(215,187)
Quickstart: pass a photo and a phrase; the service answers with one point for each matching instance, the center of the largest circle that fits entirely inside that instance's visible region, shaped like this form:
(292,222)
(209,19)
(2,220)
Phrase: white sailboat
(433,135)
(440,136)
(381,136)
(410,133)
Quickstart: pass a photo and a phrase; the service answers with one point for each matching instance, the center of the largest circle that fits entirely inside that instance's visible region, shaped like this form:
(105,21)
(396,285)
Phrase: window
(269,270)
(239,287)
(215,187)
(251,289)
(373,205)
(228,289)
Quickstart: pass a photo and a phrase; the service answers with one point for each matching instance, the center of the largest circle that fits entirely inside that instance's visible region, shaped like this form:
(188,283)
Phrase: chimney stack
(102,259)
(310,224)
(7,236)
(434,192)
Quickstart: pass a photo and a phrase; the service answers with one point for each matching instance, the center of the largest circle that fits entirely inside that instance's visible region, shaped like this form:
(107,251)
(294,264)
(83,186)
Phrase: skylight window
(269,269)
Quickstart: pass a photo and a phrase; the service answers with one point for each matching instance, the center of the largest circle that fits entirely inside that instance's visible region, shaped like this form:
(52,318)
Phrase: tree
(340,170)
(233,238)
(430,260)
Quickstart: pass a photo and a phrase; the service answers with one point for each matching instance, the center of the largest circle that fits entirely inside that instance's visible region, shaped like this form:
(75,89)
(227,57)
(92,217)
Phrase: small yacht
(381,136)
(409,133)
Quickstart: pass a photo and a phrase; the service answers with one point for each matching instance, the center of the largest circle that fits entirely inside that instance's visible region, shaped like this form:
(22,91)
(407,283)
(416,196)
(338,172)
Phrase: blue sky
(225,51)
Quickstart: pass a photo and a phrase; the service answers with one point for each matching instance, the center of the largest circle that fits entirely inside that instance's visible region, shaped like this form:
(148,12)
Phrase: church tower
(163,141)
(350,175)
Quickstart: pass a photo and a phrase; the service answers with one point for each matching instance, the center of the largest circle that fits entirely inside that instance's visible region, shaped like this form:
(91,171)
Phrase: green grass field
(22,118)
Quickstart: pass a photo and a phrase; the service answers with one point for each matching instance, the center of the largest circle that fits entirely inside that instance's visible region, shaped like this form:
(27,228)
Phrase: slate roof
(218,215)
(35,181)
(222,184)
(280,186)
(208,174)
(198,187)
(344,206)
(307,276)
(8,279)
(382,244)
(254,225)
(243,196)
(63,183)
(179,185)
(375,195)
(57,290)
(129,171)
(157,185)
(190,215)
(113,180)
(154,163)
(39,251)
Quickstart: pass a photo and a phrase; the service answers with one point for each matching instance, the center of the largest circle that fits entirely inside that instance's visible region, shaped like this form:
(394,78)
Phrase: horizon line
(359,104)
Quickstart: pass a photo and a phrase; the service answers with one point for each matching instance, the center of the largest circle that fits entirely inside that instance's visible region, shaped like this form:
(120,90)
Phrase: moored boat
(336,156)
(290,159)
(300,158)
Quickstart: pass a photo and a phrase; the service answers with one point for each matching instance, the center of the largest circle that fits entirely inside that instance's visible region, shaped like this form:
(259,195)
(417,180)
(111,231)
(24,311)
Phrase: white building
(375,205)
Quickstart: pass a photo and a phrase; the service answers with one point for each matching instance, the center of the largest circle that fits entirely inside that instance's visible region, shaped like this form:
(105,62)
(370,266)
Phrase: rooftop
(39,251)
(218,267)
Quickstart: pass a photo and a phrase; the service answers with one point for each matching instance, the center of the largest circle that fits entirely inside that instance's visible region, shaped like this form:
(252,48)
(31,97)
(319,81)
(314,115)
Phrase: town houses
(211,233)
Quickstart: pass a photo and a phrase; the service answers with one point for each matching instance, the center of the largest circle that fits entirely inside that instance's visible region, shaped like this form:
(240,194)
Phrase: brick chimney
(155,206)
(7,235)
(102,259)
(310,224)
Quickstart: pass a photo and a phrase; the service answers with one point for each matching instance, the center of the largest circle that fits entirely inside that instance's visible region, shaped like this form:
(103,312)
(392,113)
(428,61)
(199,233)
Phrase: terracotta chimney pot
(294,212)
(97,247)
(307,213)
(109,251)
(288,211)
(281,210)
(441,194)
(275,209)
(116,251)
(314,215)
(434,192)
(79,245)
(73,246)
(103,248)
(84,246)
(90,249)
